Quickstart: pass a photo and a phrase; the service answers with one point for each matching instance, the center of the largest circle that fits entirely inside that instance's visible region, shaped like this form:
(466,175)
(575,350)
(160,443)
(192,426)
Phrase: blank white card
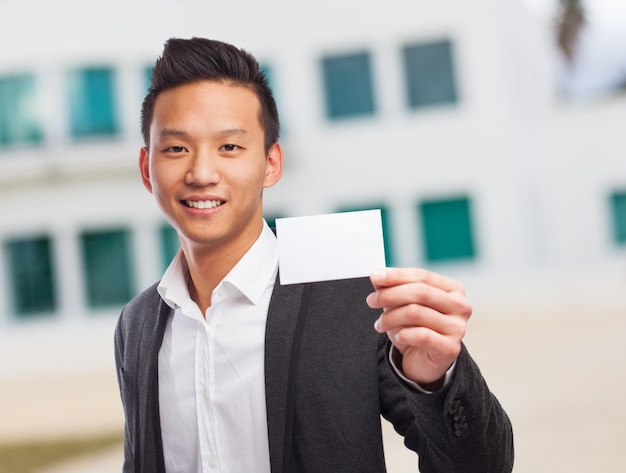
(332,246)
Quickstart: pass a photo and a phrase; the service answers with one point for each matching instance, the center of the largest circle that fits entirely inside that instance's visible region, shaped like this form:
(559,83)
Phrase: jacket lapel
(284,323)
(148,389)
(285,320)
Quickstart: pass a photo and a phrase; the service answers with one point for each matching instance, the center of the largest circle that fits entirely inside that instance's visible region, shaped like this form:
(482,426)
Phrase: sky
(600,64)
(603,11)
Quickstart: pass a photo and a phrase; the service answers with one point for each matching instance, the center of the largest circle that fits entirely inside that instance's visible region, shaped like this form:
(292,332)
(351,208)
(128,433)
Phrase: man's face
(206,164)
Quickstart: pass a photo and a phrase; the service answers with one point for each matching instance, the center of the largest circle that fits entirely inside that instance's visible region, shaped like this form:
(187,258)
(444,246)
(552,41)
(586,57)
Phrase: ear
(273,166)
(144,168)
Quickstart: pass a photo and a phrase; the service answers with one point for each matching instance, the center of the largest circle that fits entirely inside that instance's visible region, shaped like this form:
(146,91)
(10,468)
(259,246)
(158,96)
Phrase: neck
(209,266)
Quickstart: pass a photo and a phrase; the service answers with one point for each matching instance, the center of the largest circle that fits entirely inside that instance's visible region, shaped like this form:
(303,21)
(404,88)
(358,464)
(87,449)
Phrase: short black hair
(185,61)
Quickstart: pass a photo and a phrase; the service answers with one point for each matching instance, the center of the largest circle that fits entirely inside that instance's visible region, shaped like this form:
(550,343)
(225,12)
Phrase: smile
(203,204)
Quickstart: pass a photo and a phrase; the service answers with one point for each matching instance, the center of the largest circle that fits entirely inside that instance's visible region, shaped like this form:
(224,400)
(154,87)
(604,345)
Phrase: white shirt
(211,371)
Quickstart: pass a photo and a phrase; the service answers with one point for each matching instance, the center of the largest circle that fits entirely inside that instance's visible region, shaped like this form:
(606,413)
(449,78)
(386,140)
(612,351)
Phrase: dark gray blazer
(327,381)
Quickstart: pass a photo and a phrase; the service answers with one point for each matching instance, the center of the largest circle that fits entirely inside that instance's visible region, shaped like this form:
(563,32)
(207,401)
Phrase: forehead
(207,102)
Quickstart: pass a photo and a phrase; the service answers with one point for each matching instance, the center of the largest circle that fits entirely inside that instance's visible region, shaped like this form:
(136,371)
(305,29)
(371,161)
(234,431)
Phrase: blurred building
(450,116)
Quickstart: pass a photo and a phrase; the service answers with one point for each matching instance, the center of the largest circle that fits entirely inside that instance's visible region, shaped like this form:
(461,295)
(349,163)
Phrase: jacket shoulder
(145,305)
(146,297)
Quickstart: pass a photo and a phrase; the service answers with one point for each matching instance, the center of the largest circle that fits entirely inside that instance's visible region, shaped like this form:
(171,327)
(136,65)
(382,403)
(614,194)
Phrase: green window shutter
(618,212)
(447,229)
(92,103)
(169,244)
(348,85)
(268,72)
(106,262)
(18,111)
(147,76)
(430,77)
(31,276)
(271,219)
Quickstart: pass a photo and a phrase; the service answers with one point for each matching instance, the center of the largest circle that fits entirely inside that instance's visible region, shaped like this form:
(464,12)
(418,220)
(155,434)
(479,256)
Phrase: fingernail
(377,324)
(378,274)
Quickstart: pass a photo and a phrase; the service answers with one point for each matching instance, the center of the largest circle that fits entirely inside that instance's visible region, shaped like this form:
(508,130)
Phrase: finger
(421,294)
(415,315)
(439,347)
(387,277)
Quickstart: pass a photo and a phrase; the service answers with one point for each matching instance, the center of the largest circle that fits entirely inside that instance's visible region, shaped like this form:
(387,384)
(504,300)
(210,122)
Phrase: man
(223,369)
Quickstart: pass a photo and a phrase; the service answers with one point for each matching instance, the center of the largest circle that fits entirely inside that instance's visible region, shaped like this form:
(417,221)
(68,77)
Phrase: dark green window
(447,229)
(92,103)
(267,70)
(430,78)
(31,276)
(384,217)
(271,219)
(147,76)
(18,115)
(348,85)
(618,210)
(169,244)
(106,261)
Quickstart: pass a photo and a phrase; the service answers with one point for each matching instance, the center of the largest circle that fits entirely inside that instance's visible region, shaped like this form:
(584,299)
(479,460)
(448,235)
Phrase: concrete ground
(560,378)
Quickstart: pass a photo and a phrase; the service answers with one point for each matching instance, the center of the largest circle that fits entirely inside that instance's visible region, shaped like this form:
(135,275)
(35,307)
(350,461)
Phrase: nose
(203,170)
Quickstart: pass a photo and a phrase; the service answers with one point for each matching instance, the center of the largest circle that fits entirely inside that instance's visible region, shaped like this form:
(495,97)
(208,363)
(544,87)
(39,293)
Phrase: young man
(223,369)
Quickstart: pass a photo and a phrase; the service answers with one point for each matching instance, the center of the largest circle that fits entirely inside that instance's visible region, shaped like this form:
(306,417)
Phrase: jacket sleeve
(461,428)
(137,340)
(126,395)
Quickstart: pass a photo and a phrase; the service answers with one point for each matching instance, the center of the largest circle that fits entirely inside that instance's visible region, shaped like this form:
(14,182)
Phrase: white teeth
(203,204)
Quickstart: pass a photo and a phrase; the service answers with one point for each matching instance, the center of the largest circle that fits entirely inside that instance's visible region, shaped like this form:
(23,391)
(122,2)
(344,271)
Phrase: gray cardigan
(327,382)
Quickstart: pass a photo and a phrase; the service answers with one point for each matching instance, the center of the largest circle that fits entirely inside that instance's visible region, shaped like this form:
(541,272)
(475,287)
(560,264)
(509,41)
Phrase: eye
(229,147)
(176,149)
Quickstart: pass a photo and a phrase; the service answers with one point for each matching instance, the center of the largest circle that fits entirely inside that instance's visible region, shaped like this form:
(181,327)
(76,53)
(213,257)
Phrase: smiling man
(223,369)
(207,165)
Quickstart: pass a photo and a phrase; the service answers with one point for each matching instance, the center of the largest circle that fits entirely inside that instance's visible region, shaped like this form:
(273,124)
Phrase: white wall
(537,169)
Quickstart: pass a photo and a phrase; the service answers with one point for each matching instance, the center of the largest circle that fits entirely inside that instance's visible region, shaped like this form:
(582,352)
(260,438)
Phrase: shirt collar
(257,268)
(250,276)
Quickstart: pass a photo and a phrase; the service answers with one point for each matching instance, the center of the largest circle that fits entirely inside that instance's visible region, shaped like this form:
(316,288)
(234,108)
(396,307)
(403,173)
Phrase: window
(106,261)
(92,103)
(447,229)
(169,244)
(348,85)
(147,76)
(18,116)
(31,276)
(429,72)
(271,219)
(618,210)
(268,72)
(384,217)
(590,40)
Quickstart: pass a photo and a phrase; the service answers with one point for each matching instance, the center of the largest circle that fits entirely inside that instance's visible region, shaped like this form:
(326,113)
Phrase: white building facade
(446,115)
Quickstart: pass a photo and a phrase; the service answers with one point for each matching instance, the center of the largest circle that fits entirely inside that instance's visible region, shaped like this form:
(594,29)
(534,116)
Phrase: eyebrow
(169,132)
(233,131)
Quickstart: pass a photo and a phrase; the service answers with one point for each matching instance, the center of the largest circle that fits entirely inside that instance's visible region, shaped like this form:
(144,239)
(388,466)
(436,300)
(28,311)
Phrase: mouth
(203,204)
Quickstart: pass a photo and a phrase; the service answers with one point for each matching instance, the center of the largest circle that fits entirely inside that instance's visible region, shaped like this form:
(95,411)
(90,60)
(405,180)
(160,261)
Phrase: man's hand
(425,316)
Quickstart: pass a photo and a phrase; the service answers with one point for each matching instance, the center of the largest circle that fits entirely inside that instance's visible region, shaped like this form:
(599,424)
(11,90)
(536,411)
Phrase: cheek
(157,185)
(162,184)
(248,177)
(160,196)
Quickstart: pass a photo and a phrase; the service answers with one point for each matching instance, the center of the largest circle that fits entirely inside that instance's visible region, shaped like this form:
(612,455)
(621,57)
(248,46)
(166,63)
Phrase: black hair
(185,61)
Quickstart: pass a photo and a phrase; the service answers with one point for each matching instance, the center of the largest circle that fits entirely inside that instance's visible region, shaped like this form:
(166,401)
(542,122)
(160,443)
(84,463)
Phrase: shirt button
(212,463)
(205,395)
